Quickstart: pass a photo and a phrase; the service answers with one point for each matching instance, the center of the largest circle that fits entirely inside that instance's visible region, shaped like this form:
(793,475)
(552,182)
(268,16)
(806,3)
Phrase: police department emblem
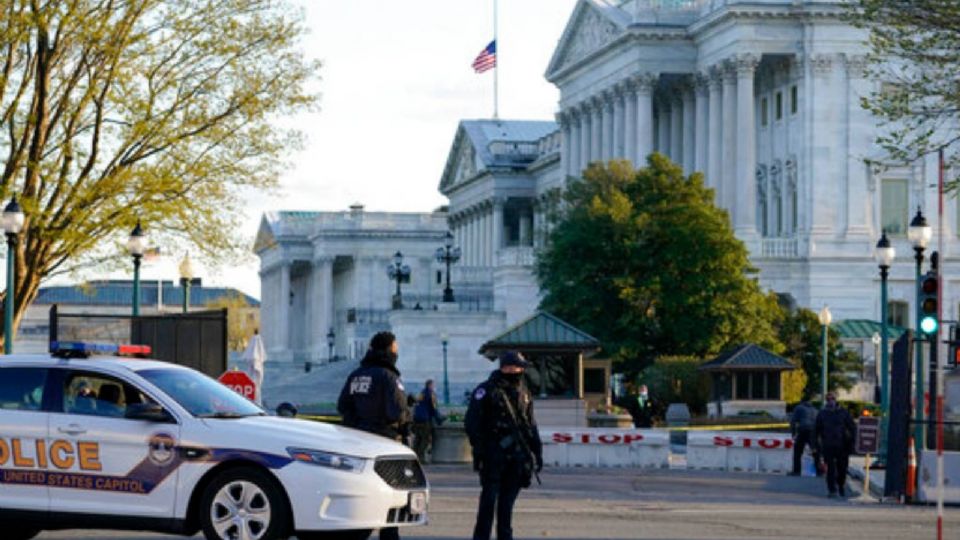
(479,393)
(162,449)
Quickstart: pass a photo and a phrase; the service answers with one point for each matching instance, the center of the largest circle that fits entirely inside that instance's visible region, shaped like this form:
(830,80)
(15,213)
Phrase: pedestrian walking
(506,444)
(425,417)
(835,433)
(373,398)
(803,425)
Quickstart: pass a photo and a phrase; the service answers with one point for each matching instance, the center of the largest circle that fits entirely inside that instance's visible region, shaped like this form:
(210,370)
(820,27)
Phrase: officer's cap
(513,358)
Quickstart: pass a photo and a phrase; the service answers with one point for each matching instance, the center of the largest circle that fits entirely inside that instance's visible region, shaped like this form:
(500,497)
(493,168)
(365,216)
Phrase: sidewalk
(857,471)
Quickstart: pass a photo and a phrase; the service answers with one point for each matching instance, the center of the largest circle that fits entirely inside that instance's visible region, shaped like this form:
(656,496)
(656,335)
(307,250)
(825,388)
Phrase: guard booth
(197,339)
(564,380)
(747,379)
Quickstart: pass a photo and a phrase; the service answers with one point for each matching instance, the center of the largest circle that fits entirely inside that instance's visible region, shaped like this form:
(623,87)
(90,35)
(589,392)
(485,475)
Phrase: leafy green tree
(644,261)
(157,110)
(677,379)
(915,55)
(802,335)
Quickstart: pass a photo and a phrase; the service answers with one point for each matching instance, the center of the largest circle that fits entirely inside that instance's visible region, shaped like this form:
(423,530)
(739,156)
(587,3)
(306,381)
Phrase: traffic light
(929,286)
(954,347)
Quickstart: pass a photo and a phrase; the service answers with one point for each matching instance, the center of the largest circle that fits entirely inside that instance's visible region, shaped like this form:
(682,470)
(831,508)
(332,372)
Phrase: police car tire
(18,533)
(279,524)
(359,534)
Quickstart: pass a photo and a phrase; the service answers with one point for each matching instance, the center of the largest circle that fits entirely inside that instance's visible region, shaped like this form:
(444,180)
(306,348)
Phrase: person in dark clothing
(507,450)
(425,417)
(835,432)
(373,398)
(803,424)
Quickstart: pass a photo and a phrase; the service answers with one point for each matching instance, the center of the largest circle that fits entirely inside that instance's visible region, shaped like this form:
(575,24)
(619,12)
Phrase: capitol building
(762,96)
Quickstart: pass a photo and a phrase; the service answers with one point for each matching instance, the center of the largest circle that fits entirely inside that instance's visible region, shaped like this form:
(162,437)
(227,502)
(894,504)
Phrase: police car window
(201,395)
(21,389)
(99,395)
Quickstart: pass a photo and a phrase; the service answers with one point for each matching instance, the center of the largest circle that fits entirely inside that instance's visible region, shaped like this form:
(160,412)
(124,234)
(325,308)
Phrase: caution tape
(730,427)
(321,418)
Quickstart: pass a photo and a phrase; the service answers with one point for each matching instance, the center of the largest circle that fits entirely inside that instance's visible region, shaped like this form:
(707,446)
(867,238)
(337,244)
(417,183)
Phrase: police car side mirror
(151,412)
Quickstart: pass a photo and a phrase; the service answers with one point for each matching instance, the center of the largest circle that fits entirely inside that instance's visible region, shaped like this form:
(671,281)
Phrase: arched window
(898,313)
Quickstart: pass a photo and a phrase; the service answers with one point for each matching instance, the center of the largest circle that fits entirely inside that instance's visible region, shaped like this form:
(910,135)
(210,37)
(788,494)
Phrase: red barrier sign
(595,438)
(767,443)
(240,383)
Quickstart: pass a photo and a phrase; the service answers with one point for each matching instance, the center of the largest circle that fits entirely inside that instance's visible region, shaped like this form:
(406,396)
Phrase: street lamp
(445,339)
(186,274)
(875,339)
(919,233)
(136,245)
(448,254)
(399,272)
(12,225)
(825,319)
(331,341)
(884,254)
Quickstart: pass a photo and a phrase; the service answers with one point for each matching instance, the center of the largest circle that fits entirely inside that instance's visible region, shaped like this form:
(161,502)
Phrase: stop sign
(240,383)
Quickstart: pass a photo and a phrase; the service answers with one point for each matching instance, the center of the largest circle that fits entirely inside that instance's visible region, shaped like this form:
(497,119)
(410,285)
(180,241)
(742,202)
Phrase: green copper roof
(542,331)
(864,329)
(748,356)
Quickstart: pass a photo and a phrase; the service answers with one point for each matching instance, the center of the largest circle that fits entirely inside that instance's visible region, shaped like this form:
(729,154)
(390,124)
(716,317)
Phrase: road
(663,505)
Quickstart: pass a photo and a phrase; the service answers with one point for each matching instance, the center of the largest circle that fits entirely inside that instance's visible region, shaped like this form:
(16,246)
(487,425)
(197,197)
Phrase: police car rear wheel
(244,504)
(361,534)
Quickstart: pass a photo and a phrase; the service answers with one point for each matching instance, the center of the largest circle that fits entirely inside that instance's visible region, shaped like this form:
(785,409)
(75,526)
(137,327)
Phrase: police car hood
(291,432)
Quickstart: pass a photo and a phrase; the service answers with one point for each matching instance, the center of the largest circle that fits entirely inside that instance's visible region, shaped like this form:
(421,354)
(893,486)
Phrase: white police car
(122,443)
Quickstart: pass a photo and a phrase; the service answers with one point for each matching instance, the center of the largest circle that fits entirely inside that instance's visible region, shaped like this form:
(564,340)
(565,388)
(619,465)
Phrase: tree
(801,333)
(644,261)
(915,54)
(155,110)
(677,379)
(243,320)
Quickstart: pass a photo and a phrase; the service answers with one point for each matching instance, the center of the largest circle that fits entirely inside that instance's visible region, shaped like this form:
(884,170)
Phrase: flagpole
(496,65)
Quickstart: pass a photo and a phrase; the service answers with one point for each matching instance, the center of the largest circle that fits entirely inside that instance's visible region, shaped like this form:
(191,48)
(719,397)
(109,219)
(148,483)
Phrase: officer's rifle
(506,442)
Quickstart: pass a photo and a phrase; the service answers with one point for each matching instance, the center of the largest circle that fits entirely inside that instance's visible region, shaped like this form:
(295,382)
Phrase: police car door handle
(72,429)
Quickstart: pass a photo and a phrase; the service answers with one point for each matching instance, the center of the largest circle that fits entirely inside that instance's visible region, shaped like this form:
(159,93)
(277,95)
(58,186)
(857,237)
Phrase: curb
(858,474)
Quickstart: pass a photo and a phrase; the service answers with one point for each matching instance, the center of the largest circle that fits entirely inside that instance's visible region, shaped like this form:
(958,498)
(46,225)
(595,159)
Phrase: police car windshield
(201,395)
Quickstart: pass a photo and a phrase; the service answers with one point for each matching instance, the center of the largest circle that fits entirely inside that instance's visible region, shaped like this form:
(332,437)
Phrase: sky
(395,81)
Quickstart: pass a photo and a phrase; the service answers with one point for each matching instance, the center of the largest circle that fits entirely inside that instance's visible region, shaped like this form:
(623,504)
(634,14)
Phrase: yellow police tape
(337,419)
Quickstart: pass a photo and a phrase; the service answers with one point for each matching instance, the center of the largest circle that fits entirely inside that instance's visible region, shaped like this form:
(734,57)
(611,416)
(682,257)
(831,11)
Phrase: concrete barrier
(740,451)
(605,447)
(928,476)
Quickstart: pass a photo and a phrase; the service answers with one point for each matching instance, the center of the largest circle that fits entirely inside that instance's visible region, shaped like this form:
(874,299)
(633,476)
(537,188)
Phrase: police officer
(373,398)
(506,444)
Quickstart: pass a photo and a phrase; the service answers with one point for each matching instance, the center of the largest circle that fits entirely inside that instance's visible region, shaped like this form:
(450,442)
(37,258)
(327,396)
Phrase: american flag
(487,59)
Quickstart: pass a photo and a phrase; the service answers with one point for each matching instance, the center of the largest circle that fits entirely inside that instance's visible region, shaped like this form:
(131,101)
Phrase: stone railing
(780,248)
(516,256)
(471,275)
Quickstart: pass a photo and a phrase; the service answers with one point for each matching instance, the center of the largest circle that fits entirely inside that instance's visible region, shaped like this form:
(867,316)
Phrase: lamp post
(825,319)
(398,272)
(444,339)
(186,274)
(12,225)
(331,341)
(919,233)
(884,255)
(448,254)
(136,244)
(875,339)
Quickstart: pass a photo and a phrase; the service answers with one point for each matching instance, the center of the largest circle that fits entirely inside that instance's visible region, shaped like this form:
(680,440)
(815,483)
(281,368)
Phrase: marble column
(525,220)
(730,139)
(618,123)
(573,148)
(676,129)
(689,120)
(536,223)
(663,127)
(491,247)
(321,305)
(858,142)
(715,136)
(630,122)
(745,223)
(283,341)
(563,119)
(468,238)
(585,133)
(596,128)
(498,203)
(645,85)
(607,126)
(701,129)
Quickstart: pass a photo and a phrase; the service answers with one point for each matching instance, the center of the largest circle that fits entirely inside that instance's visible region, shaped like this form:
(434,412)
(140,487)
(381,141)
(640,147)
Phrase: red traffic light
(929,285)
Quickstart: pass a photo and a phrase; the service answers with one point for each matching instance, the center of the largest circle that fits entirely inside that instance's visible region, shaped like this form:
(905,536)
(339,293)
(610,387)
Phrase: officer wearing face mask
(373,398)
(506,444)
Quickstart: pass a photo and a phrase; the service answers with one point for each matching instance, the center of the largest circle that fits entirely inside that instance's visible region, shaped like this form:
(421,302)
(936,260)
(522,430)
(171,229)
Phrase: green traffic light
(928,325)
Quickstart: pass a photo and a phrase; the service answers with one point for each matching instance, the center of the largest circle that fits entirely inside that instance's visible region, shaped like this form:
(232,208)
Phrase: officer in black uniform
(506,444)
(373,398)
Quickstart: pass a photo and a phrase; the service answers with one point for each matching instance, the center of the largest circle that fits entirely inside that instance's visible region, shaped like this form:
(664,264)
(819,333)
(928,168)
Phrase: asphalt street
(663,505)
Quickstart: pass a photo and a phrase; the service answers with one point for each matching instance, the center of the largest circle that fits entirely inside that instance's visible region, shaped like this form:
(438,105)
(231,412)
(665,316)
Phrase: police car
(89,439)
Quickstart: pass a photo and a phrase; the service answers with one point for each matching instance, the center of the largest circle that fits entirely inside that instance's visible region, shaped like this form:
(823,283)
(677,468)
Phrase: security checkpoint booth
(747,380)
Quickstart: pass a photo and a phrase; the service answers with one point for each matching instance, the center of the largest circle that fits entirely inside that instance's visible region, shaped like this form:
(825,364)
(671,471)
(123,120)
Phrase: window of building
(898,313)
(793,99)
(757,385)
(894,206)
(763,112)
(779,106)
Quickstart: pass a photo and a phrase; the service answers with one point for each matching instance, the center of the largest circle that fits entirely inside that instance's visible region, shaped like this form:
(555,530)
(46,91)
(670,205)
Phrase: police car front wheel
(244,504)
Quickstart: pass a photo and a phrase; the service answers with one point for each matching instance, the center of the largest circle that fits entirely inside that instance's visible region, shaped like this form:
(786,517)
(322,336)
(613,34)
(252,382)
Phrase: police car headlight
(328,459)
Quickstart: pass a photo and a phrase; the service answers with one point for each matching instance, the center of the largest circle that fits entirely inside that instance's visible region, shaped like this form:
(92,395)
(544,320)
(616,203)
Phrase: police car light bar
(81,349)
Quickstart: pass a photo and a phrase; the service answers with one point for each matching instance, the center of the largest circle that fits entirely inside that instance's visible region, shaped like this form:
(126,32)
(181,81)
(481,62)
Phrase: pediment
(462,162)
(588,31)
(265,238)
